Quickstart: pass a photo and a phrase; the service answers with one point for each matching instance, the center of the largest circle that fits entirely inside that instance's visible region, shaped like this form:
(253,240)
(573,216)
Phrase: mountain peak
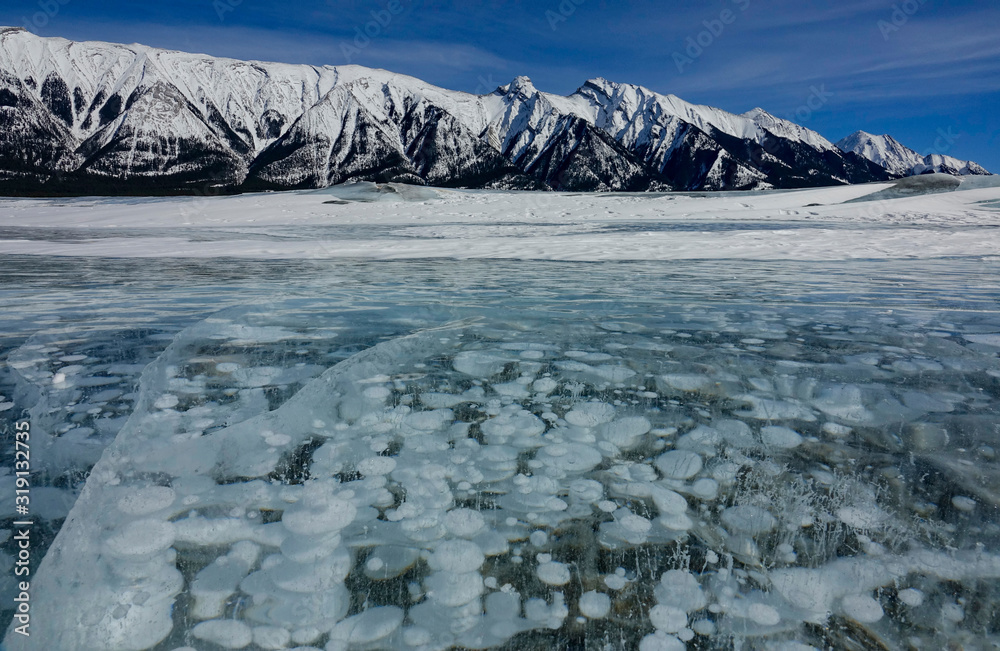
(521,84)
(888,152)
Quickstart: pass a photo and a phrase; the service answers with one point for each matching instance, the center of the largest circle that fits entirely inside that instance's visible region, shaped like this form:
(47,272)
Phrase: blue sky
(926,71)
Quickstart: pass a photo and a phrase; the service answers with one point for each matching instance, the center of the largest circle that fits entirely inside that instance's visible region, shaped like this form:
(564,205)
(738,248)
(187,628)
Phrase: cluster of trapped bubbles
(703,477)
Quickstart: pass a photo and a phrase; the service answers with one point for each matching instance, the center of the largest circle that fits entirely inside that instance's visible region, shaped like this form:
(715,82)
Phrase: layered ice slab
(627,465)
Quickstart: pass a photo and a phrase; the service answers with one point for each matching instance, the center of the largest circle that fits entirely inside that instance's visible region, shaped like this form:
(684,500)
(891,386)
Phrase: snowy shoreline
(786,225)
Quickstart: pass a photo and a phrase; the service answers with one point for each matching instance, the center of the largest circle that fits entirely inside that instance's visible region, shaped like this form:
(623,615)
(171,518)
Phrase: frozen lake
(336,452)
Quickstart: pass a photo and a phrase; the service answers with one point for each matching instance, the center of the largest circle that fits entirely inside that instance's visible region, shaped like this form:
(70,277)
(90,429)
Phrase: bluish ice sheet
(492,454)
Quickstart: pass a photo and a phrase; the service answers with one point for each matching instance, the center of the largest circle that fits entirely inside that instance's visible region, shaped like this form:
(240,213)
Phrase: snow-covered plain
(665,421)
(794,225)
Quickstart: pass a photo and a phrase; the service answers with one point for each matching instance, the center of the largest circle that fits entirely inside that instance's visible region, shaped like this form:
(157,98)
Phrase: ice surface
(344,465)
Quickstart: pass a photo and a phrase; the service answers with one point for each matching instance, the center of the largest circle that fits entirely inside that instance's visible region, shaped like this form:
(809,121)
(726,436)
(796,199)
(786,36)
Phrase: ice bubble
(736,433)
(679,464)
(166,401)
(376,466)
(311,577)
(780,437)
(518,424)
(464,523)
(226,367)
(911,597)
(704,627)
(545,385)
(661,641)
(668,501)
(680,589)
(594,605)
(569,457)
(323,516)
(702,439)
(748,519)
(306,635)
(453,590)
(415,636)
(667,618)
(146,500)
(459,556)
(479,363)
(705,488)
(368,626)
(634,523)
(963,503)
(429,421)
(862,608)
(845,402)
(217,581)
(683,382)
(835,429)
(586,490)
(613,373)
(271,637)
(860,517)
(227,633)
(538,538)
(512,389)
(770,409)
(616,581)
(141,539)
(277,440)
(308,549)
(434,400)
(377,393)
(763,614)
(590,414)
(925,437)
(952,613)
(624,431)
(553,573)
(390,561)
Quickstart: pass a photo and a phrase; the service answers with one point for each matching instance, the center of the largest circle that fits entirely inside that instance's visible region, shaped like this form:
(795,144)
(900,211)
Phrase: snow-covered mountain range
(886,151)
(94,117)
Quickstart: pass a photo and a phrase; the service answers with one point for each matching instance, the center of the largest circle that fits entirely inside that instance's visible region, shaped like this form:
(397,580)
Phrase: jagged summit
(888,152)
(520,84)
(93,117)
